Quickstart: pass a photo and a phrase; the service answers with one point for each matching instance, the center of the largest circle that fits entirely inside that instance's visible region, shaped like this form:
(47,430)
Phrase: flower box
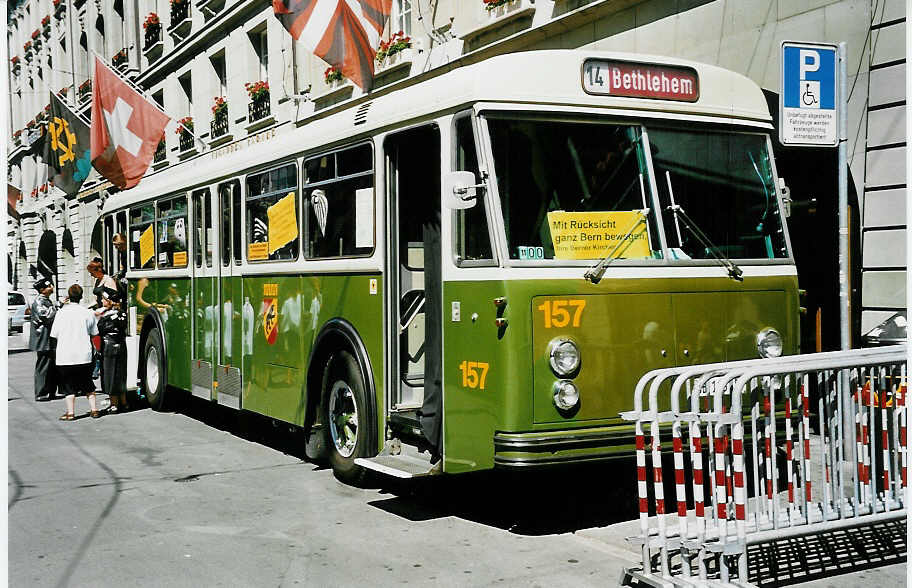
(499,12)
(395,61)
(119,60)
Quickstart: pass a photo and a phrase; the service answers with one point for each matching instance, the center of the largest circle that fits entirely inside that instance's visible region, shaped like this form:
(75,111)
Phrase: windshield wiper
(594,274)
(734,272)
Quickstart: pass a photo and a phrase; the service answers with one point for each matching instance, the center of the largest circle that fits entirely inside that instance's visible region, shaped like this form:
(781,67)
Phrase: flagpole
(142,94)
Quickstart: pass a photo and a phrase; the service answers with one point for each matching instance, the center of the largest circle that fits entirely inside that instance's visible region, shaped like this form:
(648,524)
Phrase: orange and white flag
(344,33)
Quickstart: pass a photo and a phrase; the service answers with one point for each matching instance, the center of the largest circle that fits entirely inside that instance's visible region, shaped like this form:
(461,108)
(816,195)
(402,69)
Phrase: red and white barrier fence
(705,538)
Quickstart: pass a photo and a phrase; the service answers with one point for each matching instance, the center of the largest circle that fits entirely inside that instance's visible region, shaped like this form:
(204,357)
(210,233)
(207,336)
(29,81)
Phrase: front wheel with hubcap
(346,422)
(154,375)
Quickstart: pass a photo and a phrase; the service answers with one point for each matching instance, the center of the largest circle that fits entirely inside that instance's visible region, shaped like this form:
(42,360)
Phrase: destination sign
(640,80)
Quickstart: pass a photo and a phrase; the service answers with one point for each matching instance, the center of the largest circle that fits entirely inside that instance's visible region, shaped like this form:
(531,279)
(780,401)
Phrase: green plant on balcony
(332,74)
(397,42)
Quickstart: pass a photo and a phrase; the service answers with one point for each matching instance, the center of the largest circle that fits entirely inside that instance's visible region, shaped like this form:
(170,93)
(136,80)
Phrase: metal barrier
(705,541)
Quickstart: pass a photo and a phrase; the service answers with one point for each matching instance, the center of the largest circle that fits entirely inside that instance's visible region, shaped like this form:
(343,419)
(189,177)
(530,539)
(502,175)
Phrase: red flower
(220,104)
(46,20)
(186,122)
(151,19)
(332,74)
(35,34)
(257,89)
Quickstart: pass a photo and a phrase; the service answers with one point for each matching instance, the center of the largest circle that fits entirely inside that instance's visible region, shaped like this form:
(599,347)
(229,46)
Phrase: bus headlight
(564,357)
(769,343)
(566,395)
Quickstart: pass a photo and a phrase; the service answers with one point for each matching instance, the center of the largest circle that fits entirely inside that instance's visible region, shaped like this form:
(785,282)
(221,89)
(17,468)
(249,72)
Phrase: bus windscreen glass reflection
(572,190)
(724,184)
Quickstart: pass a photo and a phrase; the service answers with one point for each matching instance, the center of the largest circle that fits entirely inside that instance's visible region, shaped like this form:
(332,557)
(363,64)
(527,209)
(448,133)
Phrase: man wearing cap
(42,312)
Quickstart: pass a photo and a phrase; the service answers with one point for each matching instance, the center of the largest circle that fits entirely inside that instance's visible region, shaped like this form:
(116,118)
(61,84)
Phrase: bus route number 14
(474,374)
(557,312)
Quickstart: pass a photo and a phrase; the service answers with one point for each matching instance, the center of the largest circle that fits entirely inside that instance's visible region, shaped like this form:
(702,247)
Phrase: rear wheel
(154,371)
(346,424)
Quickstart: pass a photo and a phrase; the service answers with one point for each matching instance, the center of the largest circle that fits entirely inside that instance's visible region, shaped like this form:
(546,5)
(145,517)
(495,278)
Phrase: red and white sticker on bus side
(270,312)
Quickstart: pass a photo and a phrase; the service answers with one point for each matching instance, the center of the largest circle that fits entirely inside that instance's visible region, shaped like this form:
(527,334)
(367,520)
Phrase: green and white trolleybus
(470,268)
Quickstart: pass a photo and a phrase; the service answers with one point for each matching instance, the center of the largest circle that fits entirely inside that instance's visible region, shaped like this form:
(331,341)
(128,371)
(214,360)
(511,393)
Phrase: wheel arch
(338,334)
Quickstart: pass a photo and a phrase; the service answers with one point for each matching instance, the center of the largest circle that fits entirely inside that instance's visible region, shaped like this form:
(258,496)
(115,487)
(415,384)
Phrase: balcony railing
(186,141)
(152,36)
(85,91)
(219,124)
(160,153)
(258,108)
(179,12)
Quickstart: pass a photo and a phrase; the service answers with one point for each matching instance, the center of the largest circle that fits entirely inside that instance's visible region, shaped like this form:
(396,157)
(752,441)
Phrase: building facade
(230,71)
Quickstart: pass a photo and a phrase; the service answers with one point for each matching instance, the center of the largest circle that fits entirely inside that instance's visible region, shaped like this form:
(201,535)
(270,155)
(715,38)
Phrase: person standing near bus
(112,326)
(43,311)
(73,329)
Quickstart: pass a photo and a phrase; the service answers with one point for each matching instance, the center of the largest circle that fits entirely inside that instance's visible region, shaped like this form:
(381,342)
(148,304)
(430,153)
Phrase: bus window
(142,237)
(237,238)
(121,224)
(473,241)
(724,184)
(198,228)
(225,222)
(107,248)
(272,199)
(339,203)
(172,232)
(553,175)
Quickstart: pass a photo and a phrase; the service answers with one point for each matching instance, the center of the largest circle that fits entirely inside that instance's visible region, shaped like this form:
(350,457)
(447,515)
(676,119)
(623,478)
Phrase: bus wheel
(154,375)
(345,426)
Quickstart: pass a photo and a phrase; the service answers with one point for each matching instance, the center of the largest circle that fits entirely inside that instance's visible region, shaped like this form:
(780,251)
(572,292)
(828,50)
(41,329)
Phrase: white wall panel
(885,248)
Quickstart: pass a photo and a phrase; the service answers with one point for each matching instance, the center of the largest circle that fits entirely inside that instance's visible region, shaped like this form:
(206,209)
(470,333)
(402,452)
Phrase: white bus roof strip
(723,93)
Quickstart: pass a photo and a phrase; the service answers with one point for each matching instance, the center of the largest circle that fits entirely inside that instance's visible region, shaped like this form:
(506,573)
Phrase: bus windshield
(573,190)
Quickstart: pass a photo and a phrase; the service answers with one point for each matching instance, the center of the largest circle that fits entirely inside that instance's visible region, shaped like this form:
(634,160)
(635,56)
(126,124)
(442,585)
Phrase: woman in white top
(73,328)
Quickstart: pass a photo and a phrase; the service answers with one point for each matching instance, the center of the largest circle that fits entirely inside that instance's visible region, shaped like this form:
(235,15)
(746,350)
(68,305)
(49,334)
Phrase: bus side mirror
(786,196)
(460,190)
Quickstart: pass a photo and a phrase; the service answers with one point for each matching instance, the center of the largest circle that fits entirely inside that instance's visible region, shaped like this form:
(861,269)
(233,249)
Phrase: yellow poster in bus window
(180,258)
(283,224)
(257,251)
(593,235)
(147,245)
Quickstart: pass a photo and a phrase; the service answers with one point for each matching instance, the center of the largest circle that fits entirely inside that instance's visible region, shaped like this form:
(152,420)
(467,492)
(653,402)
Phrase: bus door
(204,322)
(228,343)
(414,275)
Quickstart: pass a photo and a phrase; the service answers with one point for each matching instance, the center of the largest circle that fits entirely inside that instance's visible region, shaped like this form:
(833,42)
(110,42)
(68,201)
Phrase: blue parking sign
(808,95)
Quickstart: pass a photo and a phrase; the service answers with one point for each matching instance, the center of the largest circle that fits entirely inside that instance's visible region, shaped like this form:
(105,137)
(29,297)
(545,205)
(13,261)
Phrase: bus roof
(511,79)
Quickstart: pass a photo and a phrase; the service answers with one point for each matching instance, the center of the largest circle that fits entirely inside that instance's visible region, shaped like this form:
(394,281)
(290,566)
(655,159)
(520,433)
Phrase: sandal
(67,417)
(95,414)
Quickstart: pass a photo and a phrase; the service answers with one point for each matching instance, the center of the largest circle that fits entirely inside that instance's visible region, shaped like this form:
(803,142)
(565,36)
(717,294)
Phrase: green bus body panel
(173,297)
(274,374)
(623,329)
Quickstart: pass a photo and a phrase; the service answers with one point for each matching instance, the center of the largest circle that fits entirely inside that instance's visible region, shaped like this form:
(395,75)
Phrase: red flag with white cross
(126,129)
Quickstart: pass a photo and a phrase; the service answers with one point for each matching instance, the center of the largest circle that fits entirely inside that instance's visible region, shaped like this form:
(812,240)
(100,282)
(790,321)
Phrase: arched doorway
(47,256)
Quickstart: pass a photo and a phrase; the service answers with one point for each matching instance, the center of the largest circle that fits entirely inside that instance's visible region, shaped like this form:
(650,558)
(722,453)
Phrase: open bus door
(415,403)
(204,322)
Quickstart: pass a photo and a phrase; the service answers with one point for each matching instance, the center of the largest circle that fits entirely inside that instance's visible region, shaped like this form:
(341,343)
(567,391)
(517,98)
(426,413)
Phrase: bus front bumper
(548,448)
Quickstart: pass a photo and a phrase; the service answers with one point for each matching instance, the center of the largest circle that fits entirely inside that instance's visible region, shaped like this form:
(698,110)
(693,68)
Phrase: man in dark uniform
(42,317)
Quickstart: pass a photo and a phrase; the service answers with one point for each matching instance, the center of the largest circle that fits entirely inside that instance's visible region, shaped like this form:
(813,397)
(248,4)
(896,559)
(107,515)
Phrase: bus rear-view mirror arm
(460,190)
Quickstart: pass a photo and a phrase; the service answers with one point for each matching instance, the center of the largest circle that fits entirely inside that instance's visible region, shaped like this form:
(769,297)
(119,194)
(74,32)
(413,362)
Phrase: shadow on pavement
(559,500)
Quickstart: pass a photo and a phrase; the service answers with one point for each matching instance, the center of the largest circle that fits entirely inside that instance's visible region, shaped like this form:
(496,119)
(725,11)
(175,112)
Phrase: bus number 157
(474,374)
(556,312)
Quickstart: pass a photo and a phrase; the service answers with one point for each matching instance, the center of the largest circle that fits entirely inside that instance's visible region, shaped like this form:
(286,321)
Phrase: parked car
(18,307)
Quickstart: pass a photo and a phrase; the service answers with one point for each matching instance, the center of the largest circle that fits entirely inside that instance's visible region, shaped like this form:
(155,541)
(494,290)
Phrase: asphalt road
(200,497)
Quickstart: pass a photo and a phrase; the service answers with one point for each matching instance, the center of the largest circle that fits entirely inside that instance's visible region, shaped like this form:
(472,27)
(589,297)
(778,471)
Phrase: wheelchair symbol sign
(808,95)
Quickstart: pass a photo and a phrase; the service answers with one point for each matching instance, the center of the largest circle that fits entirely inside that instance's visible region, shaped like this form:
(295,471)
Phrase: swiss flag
(126,129)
